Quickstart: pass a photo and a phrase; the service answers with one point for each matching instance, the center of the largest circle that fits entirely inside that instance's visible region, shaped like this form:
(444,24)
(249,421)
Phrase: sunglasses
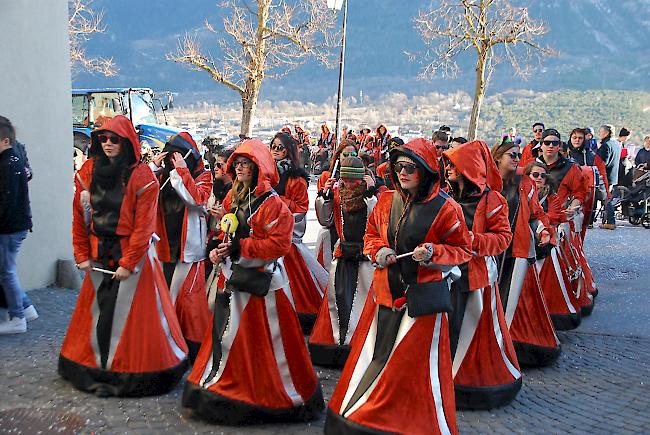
(243,163)
(104,138)
(442,147)
(554,143)
(349,154)
(218,165)
(543,175)
(410,168)
(277,148)
(515,156)
(538,130)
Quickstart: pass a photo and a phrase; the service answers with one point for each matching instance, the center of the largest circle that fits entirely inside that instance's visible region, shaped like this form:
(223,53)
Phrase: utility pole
(339,101)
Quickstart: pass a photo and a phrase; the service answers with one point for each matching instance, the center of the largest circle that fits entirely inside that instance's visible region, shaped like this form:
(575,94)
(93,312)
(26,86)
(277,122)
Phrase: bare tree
(83,22)
(494,29)
(263,39)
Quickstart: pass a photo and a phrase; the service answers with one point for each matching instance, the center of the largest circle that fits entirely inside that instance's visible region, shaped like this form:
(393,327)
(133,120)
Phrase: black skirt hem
(530,355)
(486,397)
(587,309)
(566,322)
(336,424)
(121,384)
(215,408)
(329,355)
(307,321)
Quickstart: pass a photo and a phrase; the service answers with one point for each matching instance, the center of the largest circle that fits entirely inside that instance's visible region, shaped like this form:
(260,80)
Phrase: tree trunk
(479,93)
(249,106)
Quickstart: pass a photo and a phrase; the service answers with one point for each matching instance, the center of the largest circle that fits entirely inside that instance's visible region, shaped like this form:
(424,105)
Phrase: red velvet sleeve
(372,240)
(497,235)
(144,188)
(554,213)
(451,242)
(80,239)
(296,196)
(324,176)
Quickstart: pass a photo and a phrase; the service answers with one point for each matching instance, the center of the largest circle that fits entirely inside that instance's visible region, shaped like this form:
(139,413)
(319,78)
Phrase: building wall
(35,96)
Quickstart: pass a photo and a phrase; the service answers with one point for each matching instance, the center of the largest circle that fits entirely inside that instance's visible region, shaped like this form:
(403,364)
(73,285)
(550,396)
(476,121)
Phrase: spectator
(590,142)
(611,150)
(15,221)
(642,159)
(625,165)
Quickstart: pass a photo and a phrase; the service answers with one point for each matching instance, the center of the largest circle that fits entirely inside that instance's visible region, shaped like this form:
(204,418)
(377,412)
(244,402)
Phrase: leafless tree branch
(83,22)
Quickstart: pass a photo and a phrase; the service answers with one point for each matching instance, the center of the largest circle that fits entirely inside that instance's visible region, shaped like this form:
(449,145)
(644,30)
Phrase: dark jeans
(17,300)
(609,217)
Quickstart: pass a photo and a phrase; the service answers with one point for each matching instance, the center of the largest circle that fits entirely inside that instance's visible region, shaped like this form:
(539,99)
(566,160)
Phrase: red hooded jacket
(137,218)
(448,233)
(490,227)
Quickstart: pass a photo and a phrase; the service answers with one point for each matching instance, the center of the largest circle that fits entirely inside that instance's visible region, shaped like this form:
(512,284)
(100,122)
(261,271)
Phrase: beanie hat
(352,168)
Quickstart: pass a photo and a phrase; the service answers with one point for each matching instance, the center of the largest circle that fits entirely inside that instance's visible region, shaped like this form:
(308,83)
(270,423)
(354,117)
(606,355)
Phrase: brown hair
(7,130)
(439,135)
(499,150)
(343,145)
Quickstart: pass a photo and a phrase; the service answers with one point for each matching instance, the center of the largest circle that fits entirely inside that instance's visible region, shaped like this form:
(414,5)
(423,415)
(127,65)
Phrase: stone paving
(598,385)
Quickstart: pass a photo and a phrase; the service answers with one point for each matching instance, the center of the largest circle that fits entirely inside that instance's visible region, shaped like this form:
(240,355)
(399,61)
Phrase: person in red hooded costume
(123,338)
(253,365)
(551,264)
(526,315)
(347,208)
(182,228)
(397,378)
(485,369)
(568,179)
(307,278)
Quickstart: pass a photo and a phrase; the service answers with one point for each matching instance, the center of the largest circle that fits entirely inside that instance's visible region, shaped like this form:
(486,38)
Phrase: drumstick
(407,254)
(332,175)
(167,180)
(107,272)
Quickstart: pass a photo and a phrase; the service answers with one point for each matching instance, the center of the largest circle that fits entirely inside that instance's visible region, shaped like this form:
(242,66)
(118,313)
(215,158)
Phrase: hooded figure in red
(182,228)
(519,286)
(485,368)
(307,278)
(347,210)
(397,378)
(123,338)
(253,365)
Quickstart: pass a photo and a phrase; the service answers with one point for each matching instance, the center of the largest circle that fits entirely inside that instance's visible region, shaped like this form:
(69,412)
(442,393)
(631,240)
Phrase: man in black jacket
(15,222)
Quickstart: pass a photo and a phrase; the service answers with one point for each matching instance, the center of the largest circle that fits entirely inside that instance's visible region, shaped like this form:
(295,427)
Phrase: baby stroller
(634,201)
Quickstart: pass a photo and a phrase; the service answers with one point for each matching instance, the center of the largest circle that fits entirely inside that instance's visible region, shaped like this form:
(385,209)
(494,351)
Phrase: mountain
(600,44)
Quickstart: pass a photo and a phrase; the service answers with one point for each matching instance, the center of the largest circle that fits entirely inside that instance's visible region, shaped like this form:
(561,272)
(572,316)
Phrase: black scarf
(107,174)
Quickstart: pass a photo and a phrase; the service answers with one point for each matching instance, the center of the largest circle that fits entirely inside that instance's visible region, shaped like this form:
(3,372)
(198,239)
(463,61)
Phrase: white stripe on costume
(499,335)
(434,364)
(180,274)
(519,270)
(473,311)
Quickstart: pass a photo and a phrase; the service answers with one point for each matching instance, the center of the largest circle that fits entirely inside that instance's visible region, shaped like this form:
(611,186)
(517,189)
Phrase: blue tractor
(90,107)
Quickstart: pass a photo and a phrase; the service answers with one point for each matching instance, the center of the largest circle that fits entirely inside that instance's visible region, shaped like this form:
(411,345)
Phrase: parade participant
(551,265)
(221,185)
(182,228)
(532,149)
(381,138)
(397,378)
(526,315)
(569,180)
(326,139)
(484,365)
(382,170)
(253,365)
(594,172)
(307,278)
(327,235)
(123,338)
(347,209)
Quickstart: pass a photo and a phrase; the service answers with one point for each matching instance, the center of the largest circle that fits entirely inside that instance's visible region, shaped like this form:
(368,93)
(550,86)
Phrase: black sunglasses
(551,142)
(539,174)
(410,168)
(538,130)
(277,147)
(514,156)
(442,147)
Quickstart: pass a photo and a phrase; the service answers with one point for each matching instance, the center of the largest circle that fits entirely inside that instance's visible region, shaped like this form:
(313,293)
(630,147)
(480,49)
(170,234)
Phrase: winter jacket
(15,212)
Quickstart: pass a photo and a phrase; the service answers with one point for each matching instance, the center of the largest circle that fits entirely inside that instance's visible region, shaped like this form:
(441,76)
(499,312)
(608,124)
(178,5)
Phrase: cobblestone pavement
(598,385)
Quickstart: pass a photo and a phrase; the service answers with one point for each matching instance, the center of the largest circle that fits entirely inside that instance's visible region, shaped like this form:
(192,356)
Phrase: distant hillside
(601,44)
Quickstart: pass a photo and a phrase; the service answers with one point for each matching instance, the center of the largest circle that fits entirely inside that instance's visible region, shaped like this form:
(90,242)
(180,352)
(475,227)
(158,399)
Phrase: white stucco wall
(35,96)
